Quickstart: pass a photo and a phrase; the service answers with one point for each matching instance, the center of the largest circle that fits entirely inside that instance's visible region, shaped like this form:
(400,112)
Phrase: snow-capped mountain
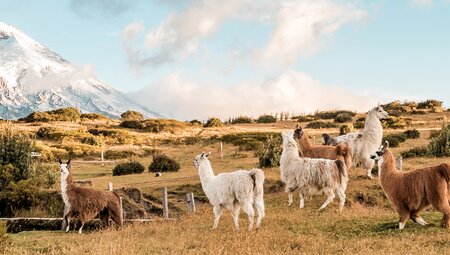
(33,78)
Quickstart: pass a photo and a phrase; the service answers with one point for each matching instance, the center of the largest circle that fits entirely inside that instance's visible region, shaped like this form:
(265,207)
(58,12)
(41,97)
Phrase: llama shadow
(390,227)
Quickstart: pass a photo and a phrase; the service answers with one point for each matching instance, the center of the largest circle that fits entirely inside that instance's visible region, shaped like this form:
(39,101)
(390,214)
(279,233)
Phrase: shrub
(321,124)
(266,119)
(345,129)
(429,104)
(109,154)
(440,145)
(415,152)
(359,124)
(270,152)
(396,123)
(132,167)
(412,134)
(395,139)
(249,144)
(332,114)
(306,118)
(63,114)
(195,122)
(342,118)
(213,122)
(46,132)
(162,163)
(163,125)
(132,115)
(241,120)
(396,108)
(4,239)
(93,116)
(136,124)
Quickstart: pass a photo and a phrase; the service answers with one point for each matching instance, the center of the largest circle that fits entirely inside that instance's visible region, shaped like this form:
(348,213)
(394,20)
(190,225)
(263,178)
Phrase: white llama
(311,176)
(232,191)
(365,142)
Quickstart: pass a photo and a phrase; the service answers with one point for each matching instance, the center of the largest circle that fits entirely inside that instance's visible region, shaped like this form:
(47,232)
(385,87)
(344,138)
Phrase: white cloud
(291,92)
(299,27)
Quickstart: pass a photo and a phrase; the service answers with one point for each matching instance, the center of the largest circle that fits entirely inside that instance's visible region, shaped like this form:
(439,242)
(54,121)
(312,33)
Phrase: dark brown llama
(85,203)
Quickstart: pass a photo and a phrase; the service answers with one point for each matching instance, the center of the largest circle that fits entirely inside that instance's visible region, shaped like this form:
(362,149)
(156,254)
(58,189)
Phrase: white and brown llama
(232,191)
(340,151)
(362,144)
(311,176)
(411,192)
(86,203)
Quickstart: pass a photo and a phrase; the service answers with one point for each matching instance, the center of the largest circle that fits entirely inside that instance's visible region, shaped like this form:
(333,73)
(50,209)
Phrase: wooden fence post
(221,149)
(399,163)
(64,225)
(165,203)
(121,208)
(190,202)
(103,158)
(110,186)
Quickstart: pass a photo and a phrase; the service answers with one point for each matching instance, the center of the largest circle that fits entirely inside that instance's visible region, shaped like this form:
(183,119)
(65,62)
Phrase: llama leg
(404,217)
(67,219)
(302,200)
(290,200)
(369,166)
(259,204)
(235,214)
(217,213)
(81,228)
(341,195)
(330,197)
(248,209)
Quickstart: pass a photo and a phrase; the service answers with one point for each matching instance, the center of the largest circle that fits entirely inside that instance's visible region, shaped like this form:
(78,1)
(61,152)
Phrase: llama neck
(66,183)
(289,153)
(373,128)
(205,171)
(387,166)
(304,142)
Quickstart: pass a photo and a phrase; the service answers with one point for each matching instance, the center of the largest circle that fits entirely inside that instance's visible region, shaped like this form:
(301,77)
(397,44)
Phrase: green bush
(345,129)
(93,116)
(342,118)
(132,115)
(321,124)
(47,133)
(195,122)
(15,149)
(325,115)
(269,154)
(162,163)
(430,104)
(136,124)
(396,123)
(213,122)
(132,167)
(440,145)
(266,119)
(415,152)
(397,108)
(109,154)
(412,134)
(305,118)
(241,120)
(163,125)
(63,114)
(395,139)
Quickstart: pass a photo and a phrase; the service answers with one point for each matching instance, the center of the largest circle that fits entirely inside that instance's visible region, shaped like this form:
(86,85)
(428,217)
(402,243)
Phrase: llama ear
(385,146)
(60,161)
(68,162)
(297,126)
(202,155)
(207,154)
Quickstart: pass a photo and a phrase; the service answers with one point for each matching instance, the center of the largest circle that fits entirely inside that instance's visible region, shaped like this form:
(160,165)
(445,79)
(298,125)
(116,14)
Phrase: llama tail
(258,182)
(342,169)
(444,170)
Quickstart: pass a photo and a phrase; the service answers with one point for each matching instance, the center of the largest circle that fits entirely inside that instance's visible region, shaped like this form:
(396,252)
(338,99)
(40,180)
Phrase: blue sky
(195,59)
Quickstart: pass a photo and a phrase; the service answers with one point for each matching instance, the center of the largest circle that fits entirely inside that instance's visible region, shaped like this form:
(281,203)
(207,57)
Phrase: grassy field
(367,225)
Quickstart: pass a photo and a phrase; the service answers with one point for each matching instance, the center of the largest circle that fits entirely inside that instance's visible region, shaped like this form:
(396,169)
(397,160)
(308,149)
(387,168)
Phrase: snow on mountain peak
(33,78)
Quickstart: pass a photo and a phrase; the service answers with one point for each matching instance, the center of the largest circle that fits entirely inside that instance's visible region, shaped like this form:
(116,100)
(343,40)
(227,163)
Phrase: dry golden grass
(368,224)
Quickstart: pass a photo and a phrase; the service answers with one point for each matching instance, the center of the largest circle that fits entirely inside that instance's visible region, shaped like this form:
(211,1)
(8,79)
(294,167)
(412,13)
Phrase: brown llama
(413,191)
(86,203)
(338,152)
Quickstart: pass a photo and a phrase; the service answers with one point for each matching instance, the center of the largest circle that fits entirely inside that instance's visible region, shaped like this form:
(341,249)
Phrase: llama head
(298,132)
(288,139)
(379,112)
(326,138)
(64,168)
(380,152)
(199,158)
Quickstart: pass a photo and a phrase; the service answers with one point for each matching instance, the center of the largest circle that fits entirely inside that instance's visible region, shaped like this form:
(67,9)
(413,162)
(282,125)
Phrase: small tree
(132,115)
(213,122)
(162,163)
